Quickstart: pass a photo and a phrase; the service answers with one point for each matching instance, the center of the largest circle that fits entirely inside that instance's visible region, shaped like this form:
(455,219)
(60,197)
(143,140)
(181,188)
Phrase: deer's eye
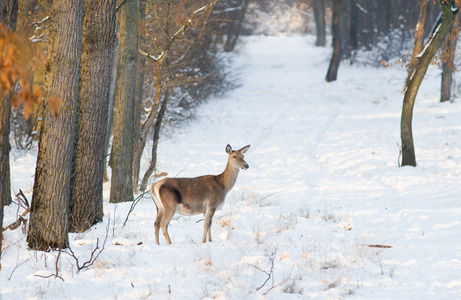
(235,156)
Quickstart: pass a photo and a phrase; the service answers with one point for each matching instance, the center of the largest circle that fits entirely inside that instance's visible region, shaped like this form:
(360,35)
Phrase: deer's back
(193,194)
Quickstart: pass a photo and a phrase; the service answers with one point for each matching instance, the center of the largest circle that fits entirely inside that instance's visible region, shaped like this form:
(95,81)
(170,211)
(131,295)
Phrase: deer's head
(236,157)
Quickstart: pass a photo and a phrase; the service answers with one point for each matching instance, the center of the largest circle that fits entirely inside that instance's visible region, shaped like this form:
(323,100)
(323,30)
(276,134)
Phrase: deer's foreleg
(207,227)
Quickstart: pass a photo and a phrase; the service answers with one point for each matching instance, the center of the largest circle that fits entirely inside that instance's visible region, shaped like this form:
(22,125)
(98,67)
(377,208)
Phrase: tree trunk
(138,105)
(5,186)
(319,16)
(448,62)
(141,142)
(9,14)
(5,182)
(336,57)
(158,124)
(234,27)
(355,17)
(122,146)
(48,226)
(8,18)
(110,111)
(415,78)
(86,207)
(419,36)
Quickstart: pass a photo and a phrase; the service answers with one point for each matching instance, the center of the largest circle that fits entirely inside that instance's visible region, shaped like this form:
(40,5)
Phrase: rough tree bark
(448,62)
(48,227)
(110,111)
(122,146)
(449,12)
(86,207)
(336,57)
(9,14)
(138,105)
(319,16)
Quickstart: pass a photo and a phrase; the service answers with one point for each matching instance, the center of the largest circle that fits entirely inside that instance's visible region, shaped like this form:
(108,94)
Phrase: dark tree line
(385,27)
(389,26)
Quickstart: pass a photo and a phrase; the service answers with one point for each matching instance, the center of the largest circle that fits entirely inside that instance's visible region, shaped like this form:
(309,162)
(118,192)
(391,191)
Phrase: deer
(195,195)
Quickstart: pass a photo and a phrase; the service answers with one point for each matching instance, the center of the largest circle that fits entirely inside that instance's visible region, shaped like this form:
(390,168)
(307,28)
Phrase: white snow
(322,186)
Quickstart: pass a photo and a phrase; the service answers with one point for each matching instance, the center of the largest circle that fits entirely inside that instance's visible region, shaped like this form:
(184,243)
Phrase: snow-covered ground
(323,186)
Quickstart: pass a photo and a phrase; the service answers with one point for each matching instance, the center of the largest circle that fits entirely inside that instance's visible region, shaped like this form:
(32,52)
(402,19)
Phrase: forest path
(331,149)
(283,108)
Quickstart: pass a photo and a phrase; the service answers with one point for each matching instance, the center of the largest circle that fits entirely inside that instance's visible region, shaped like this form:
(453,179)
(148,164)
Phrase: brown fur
(191,196)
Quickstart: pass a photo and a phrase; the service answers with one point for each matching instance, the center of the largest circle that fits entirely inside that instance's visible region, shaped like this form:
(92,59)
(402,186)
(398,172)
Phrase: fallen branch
(380,246)
(133,205)
(22,202)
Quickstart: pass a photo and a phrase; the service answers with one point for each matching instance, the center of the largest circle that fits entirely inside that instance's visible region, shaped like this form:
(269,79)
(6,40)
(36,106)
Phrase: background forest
(92,90)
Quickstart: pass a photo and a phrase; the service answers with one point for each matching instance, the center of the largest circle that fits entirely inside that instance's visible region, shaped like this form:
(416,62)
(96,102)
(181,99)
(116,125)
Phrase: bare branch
(183,28)
(94,254)
(133,205)
(22,202)
(150,56)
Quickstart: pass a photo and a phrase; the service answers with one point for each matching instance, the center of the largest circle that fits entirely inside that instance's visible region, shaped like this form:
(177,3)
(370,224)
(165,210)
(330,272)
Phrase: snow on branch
(361,8)
(429,42)
(150,56)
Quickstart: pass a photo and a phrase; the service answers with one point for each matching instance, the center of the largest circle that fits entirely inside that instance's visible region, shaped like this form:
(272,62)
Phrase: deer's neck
(229,176)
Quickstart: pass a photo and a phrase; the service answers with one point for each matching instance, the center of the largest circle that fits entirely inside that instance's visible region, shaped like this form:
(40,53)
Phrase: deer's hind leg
(164,224)
(170,198)
(160,214)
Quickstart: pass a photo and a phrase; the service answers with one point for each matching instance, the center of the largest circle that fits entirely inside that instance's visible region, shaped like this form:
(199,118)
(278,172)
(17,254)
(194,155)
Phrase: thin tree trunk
(48,227)
(122,146)
(138,105)
(419,36)
(9,14)
(5,182)
(415,79)
(319,16)
(5,187)
(141,143)
(336,57)
(158,124)
(86,206)
(448,64)
(110,110)
(235,26)
(356,23)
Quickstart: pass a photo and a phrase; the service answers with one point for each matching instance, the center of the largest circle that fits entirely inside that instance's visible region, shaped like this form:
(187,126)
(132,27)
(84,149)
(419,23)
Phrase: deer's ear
(228,149)
(245,149)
